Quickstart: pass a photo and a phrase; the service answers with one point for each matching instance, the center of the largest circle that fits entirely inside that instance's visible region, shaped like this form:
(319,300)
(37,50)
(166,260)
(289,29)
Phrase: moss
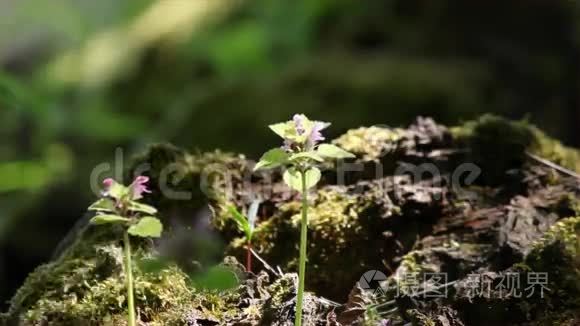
(563,239)
(410,263)
(86,285)
(409,275)
(183,183)
(553,150)
(495,157)
(481,137)
(283,290)
(564,234)
(338,221)
(568,204)
(420,319)
(182,171)
(568,318)
(333,218)
(370,143)
(91,290)
(558,254)
(454,258)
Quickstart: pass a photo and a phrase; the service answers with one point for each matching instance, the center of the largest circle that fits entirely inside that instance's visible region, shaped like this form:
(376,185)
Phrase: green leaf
(332,151)
(138,207)
(242,221)
(108,219)
(117,190)
(147,227)
(310,155)
(293,178)
(282,129)
(103,204)
(272,158)
(216,278)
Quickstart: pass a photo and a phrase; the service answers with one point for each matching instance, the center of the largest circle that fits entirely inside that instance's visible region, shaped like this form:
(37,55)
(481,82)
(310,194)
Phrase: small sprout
(119,205)
(300,154)
(246,224)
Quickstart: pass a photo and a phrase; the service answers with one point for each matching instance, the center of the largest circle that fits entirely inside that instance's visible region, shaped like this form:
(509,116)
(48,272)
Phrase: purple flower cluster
(312,132)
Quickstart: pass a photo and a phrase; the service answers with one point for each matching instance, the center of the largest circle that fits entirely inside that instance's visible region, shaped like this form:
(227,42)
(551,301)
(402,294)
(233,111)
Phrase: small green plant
(246,224)
(120,205)
(300,154)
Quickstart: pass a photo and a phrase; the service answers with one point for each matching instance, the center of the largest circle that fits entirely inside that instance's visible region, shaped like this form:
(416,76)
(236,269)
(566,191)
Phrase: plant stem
(129,279)
(249,257)
(303,240)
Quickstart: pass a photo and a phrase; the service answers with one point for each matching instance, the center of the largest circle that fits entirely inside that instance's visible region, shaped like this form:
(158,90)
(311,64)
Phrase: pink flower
(316,135)
(138,187)
(108,183)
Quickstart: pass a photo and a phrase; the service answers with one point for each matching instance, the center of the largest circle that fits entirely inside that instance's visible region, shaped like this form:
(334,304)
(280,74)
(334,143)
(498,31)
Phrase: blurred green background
(81,78)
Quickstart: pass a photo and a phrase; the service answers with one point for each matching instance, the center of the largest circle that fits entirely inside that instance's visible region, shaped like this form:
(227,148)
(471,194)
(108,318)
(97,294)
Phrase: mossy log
(490,197)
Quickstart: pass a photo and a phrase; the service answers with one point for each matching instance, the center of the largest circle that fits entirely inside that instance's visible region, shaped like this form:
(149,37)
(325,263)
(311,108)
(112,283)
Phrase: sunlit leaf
(139,207)
(293,178)
(108,219)
(272,158)
(103,204)
(282,129)
(147,227)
